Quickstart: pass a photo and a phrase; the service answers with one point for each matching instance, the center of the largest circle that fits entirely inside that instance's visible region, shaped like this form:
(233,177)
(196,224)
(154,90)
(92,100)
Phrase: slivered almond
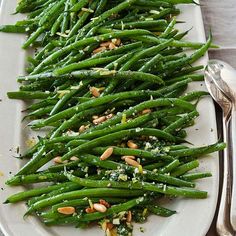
(66,210)
(131,162)
(146,111)
(132,145)
(130,157)
(112,46)
(89,210)
(108,152)
(105,44)
(99,207)
(94,91)
(100,49)
(129,217)
(99,120)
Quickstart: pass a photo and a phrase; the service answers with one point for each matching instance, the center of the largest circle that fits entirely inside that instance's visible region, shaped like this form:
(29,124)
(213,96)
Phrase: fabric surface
(220,17)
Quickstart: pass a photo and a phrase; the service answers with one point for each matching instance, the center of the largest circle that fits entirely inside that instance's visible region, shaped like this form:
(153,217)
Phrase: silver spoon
(225,79)
(222,225)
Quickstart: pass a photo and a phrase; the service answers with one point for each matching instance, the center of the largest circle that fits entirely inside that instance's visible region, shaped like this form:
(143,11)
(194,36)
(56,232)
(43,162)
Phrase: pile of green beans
(108,82)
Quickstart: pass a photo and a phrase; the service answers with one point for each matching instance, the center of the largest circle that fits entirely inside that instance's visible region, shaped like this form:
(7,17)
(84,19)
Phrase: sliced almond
(99,120)
(100,49)
(131,162)
(94,91)
(99,207)
(108,152)
(132,145)
(66,210)
(130,157)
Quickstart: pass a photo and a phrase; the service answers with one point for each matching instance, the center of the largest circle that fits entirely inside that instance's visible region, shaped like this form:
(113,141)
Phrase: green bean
(174,43)
(185,168)
(193,77)
(84,202)
(180,122)
(168,28)
(77,7)
(56,25)
(168,168)
(25,95)
(198,151)
(161,211)
(84,42)
(194,95)
(147,67)
(13,29)
(131,124)
(149,51)
(111,138)
(119,96)
(97,215)
(161,24)
(34,192)
(78,24)
(100,8)
(84,64)
(62,102)
(95,192)
(40,112)
(41,104)
(153,167)
(74,119)
(153,3)
(39,177)
(123,5)
(141,107)
(194,176)
(149,174)
(67,166)
(152,155)
(68,188)
(139,186)
(51,12)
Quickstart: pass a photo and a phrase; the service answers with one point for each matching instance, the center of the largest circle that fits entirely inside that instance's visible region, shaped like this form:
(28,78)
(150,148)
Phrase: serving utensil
(222,225)
(224,77)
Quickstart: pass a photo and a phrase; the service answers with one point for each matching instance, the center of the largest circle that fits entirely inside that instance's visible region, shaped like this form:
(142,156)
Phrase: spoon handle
(233,157)
(223,222)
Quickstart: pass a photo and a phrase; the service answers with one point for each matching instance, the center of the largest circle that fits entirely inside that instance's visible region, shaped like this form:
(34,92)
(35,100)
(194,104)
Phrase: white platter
(194,216)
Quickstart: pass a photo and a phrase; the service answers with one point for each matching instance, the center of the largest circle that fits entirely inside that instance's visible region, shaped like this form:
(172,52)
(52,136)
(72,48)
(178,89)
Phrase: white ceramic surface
(194,216)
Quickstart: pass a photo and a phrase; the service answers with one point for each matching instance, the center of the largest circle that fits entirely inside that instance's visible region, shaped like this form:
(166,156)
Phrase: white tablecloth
(219,17)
